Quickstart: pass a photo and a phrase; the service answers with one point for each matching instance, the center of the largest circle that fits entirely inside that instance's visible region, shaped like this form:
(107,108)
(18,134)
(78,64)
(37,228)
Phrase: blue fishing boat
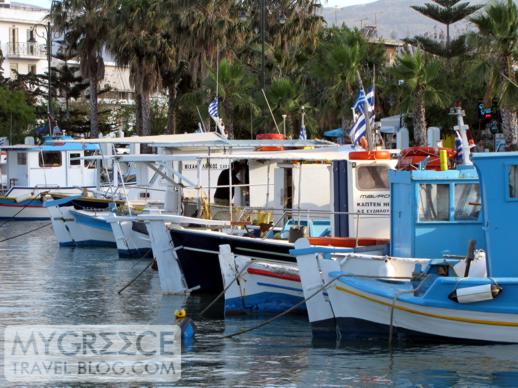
(438,302)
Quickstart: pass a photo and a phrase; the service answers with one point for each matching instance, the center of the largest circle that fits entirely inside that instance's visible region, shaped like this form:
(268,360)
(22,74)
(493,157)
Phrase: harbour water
(43,284)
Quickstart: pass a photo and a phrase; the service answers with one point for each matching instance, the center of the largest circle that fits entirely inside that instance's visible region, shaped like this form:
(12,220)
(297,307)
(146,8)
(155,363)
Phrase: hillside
(393,18)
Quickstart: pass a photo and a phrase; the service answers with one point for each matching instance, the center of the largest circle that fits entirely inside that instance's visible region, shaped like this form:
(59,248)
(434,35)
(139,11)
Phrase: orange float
(269,136)
(369,155)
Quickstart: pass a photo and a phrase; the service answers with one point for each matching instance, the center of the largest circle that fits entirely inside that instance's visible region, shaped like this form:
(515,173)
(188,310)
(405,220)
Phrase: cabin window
(434,202)
(513,182)
(50,159)
(467,202)
(74,159)
(372,178)
(90,163)
(21,158)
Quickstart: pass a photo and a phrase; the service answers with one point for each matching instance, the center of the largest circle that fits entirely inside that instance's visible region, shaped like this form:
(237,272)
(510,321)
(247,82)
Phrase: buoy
(186,325)
(475,293)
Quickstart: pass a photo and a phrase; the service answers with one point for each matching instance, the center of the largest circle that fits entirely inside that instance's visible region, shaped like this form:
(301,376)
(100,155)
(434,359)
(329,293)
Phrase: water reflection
(41,283)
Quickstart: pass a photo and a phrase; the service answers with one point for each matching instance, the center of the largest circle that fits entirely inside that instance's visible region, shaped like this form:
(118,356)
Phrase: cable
(29,231)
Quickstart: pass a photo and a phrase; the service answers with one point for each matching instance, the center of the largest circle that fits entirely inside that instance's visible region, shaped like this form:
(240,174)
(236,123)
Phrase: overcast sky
(326,3)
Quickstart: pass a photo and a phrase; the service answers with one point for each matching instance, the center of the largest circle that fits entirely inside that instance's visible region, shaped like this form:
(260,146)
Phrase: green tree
(85,26)
(446,12)
(16,115)
(334,69)
(235,84)
(140,40)
(498,26)
(420,76)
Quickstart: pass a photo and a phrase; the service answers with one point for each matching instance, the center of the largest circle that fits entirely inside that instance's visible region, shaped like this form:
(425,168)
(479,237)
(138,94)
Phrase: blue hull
(265,302)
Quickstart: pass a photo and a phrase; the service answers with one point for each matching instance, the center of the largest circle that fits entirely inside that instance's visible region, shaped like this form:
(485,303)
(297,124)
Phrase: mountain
(392,18)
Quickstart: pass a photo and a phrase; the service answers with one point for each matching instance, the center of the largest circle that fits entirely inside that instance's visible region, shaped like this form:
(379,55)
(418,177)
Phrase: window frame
(507,182)
(451,193)
(359,166)
(41,159)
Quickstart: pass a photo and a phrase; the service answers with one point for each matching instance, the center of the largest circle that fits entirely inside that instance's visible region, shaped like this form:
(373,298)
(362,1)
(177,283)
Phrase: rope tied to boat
(320,289)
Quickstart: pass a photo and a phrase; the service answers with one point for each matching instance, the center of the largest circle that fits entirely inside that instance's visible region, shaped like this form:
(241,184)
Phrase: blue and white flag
(302,134)
(3,141)
(360,127)
(213,108)
(458,147)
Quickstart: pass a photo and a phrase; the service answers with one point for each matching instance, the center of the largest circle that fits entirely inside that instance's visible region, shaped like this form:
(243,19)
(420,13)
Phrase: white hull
(352,304)
(25,204)
(259,285)
(130,243)
(80,228)
(316,272)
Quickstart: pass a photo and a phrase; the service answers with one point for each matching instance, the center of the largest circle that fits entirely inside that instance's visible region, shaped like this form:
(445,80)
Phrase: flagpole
(370,139)
(217,70)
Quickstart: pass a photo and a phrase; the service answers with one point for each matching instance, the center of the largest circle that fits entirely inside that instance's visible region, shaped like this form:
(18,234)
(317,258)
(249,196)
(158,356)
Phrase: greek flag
(3,141)
(458,147)
(302,133)
(213,108)
(360,127)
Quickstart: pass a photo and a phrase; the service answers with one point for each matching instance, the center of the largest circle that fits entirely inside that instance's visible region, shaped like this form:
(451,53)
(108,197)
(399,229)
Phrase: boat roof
(210,139)
(314,154)
(53,143)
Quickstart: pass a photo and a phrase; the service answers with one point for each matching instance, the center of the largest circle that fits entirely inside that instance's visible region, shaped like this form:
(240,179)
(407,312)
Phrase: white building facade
(22,38)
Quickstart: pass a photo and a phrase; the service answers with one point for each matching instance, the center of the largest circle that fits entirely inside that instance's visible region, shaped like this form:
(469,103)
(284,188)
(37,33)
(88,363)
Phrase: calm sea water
(43,284)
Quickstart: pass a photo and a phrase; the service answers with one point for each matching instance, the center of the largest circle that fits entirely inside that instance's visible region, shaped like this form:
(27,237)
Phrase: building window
(21,158)
(32,69)
(50,159)
(467,202)
(74,159)
(372,178)
(434,202)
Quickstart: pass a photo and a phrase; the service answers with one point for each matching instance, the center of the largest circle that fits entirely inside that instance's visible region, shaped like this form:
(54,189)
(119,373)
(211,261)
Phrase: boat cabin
(498,174)
(55,163)
(435,212)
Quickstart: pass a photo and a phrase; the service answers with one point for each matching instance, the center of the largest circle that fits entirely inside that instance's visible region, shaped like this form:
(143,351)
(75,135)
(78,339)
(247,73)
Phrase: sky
(326,3)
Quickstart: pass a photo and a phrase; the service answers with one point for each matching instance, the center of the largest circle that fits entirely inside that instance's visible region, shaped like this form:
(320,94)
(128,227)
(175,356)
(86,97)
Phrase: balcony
(26,50)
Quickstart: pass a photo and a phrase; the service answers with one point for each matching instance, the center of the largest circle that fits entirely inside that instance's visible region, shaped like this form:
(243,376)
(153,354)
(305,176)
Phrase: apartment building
(22,38)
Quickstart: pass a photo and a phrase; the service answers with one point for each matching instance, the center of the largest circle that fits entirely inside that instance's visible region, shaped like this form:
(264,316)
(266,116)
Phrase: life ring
(410,158)
(369,155)
(269,136)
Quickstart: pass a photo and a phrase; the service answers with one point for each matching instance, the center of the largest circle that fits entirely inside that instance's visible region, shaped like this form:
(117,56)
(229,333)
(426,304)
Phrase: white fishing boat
(35,170)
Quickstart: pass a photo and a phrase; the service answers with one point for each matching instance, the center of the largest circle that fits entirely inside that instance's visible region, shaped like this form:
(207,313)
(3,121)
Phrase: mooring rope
(24,233)
(140,273)
(268,321)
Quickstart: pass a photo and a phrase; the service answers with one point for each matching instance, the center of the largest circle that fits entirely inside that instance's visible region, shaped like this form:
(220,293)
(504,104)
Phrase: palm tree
(421,77)
(499,26)
(234,88)
(335,66)
(85,26)
(140,39)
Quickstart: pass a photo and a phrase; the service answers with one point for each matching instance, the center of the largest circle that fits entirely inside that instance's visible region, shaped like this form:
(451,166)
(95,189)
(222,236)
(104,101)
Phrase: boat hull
(363,315)
(198,251)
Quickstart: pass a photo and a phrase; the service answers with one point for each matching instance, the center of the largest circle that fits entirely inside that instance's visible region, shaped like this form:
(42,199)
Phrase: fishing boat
(438,302)
(55,167)
(304,177)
